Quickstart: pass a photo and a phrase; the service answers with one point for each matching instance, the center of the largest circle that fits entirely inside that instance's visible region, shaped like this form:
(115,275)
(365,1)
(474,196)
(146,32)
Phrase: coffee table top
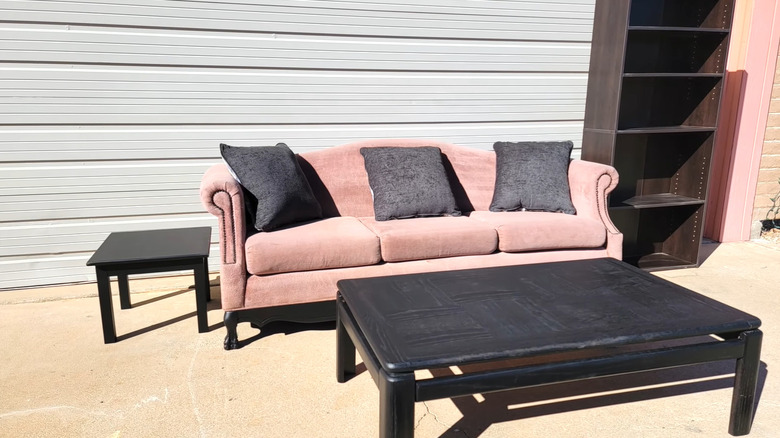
(150,245)
(440,319)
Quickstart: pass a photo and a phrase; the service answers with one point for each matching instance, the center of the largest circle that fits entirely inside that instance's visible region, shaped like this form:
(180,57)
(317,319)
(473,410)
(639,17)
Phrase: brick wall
(769,172)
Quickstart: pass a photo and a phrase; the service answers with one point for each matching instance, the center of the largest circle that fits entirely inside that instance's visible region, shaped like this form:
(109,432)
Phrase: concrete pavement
(163,379)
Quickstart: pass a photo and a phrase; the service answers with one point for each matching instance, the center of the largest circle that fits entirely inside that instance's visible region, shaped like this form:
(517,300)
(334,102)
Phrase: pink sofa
(290,274)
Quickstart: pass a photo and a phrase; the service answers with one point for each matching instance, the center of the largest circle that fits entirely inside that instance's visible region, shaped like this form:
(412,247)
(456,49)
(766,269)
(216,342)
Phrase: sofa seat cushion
(336,242)
(432,237)
(520,231)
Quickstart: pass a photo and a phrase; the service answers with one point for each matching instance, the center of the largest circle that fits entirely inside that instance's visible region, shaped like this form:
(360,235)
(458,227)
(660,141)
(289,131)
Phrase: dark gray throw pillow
(532,176)
(272,175)
(408,182)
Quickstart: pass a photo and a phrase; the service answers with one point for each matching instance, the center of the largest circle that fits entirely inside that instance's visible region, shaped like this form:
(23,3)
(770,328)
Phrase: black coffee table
(404,323)
(140,252)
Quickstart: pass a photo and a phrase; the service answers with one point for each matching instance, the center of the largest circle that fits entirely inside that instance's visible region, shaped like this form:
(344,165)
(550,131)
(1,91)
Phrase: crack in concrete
(436,419)
(191,388)
(421,418)
(428,412)
(120,414)
(117,414)
(433,415)
(153,398)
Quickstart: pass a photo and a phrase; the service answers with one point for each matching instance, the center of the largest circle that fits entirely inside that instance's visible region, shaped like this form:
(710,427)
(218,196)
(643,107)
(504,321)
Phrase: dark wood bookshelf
(669,29)
(704,14)
(658,261)
(654,93)
(672,75)
(666,129)
(658,200)
(674,50)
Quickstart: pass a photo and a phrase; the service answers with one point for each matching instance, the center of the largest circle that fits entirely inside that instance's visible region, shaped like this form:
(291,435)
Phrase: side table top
(149,245)
(438,319)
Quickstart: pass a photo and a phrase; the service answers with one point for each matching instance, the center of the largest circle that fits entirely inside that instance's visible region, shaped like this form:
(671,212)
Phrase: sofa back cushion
(279,194)
(339,180)
(409,182)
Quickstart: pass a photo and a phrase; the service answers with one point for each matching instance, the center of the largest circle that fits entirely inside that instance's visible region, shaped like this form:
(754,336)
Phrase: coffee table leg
(745,382)
(345,350)
(396,405)
(124,291)
(202,293)
(106,311)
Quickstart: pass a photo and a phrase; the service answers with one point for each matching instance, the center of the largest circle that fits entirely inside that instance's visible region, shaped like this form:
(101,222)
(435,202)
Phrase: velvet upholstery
(336,242)
(520,231)
(589,184)
(432,238)
(223,197)
(340,183)
(313,286)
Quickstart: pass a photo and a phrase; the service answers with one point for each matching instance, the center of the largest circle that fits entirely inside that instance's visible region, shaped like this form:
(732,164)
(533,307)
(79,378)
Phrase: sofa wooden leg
(231,324)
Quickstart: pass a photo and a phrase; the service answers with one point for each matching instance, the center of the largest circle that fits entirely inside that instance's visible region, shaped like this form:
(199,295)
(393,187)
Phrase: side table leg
(202,292)
(124,291)
(745,382)
(106,311)
(396,405)
(345,349)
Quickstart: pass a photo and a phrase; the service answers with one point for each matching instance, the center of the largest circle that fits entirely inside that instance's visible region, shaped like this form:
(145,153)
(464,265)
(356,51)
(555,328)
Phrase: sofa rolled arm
(590,183)
(223,197)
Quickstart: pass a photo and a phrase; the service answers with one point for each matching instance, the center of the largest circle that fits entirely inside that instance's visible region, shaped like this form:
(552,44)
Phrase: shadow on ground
(479,412)
(287,328)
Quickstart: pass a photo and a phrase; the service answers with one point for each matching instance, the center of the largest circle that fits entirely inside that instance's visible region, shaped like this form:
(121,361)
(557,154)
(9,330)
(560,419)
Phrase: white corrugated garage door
(110,111)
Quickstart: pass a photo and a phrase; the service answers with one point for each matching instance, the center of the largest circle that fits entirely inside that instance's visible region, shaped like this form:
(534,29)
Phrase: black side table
(141,252)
